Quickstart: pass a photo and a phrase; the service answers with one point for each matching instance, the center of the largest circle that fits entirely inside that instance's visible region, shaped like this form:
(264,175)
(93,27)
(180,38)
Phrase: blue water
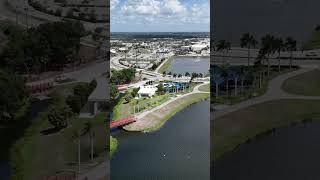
(180,150)
(181,65)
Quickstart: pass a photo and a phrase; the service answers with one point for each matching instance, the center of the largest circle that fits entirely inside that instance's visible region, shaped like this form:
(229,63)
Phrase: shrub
(74,102)
(58,116)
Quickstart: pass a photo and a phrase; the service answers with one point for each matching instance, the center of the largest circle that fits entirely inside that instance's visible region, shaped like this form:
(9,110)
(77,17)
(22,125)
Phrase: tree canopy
(47,45)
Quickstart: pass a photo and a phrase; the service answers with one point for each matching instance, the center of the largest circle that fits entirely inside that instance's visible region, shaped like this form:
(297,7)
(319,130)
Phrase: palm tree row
(187,74)
(268,47)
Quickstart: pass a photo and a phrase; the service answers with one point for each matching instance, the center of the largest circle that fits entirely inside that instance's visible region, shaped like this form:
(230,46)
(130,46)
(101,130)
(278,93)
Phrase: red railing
(40,88)
(122,122)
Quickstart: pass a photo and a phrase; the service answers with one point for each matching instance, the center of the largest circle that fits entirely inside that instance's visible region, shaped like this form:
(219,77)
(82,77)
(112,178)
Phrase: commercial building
(147,91)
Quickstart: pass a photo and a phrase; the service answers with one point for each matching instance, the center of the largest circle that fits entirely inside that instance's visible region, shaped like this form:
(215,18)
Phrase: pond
(181,65)
(179,150)
(290,153)
(10,134)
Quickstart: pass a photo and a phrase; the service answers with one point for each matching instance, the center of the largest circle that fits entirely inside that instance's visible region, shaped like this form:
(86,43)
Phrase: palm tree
(278,46)
(242,72)
(77,135)
(88,129)
(217,80)
(267,48)
(290,45)
(224,70)
(174,75)
(248,41)
(259,69)
(224,47)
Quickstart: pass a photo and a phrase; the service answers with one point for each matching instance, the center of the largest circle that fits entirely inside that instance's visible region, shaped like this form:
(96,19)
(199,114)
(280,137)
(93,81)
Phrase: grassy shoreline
(306,84)
(183,103)
(242,126)
(165,65)
(113,146)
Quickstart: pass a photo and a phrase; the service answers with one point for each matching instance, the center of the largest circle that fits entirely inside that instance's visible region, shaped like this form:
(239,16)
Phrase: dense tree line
(13,95)
(123,76)
(50,45)
(80,96)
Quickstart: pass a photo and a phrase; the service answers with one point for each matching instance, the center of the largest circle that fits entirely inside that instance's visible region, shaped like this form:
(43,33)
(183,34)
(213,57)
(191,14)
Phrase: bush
(83,91)
(74,102)
(58,116)
(128,98)
(135,92)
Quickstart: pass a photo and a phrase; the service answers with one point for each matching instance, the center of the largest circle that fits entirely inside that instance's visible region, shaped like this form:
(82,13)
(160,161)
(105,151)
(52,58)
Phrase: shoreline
(245,134)
(267,132)
(166,63)
(160,120)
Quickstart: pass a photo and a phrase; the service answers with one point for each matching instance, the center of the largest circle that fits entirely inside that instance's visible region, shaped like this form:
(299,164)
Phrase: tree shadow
(50,130)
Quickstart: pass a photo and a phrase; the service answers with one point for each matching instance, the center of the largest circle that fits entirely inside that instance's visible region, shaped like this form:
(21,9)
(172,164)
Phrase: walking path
(145,123)
(274,92)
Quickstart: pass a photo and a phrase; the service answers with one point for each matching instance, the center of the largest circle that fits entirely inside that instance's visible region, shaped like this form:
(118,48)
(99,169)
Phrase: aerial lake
(182,64)
(289,153)
(178,151)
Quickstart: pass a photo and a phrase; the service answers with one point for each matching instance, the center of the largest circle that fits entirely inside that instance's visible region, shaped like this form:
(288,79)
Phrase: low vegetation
(58,131)
(13,96)
(241,126)
(307,84)
(158,118)
(205,88)
(165,65)
(113,145)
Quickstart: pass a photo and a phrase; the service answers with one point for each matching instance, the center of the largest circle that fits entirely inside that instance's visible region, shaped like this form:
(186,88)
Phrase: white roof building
(198,47)
(147,91)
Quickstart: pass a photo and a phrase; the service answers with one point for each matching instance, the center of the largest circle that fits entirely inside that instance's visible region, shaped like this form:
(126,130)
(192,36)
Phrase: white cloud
(141,7)
(161,12)
(113,3)
(172,7)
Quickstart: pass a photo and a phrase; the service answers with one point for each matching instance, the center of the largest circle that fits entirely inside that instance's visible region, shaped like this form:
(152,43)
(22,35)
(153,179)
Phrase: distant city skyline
(160,15)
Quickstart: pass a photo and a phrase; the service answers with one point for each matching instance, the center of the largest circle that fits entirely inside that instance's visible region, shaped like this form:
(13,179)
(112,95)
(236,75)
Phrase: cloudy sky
(160,15)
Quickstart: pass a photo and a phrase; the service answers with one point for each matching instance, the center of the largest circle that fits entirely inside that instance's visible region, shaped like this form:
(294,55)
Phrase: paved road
(274,92)
(100,172)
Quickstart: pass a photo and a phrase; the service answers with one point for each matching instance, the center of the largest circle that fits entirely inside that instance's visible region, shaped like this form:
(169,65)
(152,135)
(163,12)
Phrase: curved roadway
(274,92)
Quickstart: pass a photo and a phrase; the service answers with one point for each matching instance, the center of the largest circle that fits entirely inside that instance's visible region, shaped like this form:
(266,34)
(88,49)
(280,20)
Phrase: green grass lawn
(123,109)
(205,88)
(113,145)
(307,84)
(238,127)
(38,154)
(165,66)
